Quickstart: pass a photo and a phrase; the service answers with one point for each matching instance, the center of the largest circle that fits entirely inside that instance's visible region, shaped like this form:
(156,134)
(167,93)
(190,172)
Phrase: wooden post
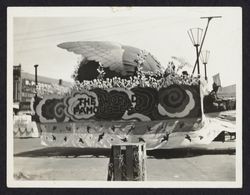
(117,163)
(127,162)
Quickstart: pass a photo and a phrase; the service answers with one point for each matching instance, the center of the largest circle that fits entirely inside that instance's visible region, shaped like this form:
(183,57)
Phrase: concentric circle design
(59,111)
(146,99)
(173,99)
(51,109)
(142,104)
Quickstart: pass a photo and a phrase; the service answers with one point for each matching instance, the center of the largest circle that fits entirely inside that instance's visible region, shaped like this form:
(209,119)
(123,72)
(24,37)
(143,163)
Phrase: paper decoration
(166,118)
(140,104)
(24,127)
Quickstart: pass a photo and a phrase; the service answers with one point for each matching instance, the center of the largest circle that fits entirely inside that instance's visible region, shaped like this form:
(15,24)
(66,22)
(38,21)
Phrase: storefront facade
(24,88)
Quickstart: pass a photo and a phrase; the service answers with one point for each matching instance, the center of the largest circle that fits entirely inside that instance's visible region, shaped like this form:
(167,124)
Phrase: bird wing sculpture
(109,54)
(116,57)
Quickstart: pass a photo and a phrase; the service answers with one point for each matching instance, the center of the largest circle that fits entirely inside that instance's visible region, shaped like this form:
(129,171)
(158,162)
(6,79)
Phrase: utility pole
(36,65)
(208,21)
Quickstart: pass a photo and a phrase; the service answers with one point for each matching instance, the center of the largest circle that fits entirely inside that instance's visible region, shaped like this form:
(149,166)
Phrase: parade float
(123,95)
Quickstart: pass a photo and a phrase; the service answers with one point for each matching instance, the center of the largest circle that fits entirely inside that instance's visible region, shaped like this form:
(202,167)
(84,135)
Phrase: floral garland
(141,79)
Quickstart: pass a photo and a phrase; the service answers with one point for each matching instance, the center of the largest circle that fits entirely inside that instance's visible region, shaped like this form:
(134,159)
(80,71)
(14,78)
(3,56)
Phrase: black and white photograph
(124,97)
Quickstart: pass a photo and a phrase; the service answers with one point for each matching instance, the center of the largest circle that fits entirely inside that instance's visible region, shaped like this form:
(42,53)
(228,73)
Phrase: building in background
(227,92)
(24,87)
(223,99)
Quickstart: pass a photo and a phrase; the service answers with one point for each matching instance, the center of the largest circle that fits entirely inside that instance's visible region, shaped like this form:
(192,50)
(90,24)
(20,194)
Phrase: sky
(36,32)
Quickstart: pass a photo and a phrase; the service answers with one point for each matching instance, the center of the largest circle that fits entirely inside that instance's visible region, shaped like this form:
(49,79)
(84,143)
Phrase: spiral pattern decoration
(141,104)
(59,111)
(173,99)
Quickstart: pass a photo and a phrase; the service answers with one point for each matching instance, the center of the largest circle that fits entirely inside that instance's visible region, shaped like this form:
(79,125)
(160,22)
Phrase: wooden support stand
(127,162)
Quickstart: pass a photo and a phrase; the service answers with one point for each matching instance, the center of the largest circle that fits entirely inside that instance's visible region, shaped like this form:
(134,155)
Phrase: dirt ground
(32,161)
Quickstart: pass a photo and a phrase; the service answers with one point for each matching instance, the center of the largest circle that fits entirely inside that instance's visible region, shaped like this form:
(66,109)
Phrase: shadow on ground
(66,152)
(101,152)
(187,152)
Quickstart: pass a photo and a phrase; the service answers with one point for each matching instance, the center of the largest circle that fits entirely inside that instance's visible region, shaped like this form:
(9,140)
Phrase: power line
(99,36)
(93,37)
(55,28)
(89,29)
